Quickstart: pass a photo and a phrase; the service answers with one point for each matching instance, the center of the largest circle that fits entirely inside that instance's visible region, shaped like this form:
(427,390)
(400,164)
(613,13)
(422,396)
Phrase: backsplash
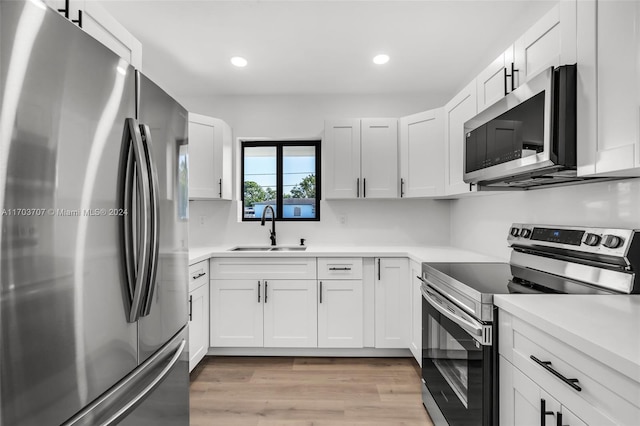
(481,223)
(344,222)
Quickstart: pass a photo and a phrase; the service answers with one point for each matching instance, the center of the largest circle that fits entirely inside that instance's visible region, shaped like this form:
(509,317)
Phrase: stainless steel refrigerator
(94,257)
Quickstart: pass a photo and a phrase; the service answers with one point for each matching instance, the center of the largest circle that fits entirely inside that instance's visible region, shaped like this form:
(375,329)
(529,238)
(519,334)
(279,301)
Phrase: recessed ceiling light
(239,61)
(381,59)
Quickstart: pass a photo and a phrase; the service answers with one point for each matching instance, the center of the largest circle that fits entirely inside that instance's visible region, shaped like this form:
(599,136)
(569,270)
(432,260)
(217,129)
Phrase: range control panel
(608,241)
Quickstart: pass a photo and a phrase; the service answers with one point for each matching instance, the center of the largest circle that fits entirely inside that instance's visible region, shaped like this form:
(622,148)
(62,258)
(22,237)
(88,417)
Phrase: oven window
(450,358)
(457,370)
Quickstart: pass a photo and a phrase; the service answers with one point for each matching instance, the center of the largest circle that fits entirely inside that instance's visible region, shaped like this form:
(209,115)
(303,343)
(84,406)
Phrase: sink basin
(250,249)
(288,249)
(268,248)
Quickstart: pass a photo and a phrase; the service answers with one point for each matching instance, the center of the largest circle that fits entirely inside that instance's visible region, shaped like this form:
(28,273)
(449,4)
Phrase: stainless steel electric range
(459,320)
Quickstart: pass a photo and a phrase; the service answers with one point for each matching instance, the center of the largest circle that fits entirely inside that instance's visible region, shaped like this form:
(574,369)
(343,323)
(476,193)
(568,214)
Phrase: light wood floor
(301,391)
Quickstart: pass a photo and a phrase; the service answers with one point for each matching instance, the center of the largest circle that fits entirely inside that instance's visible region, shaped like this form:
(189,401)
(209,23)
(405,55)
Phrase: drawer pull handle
(339,269)
(201,274)
(547,366)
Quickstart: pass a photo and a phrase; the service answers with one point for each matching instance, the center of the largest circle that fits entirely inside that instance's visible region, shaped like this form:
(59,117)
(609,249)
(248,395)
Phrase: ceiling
(321,47)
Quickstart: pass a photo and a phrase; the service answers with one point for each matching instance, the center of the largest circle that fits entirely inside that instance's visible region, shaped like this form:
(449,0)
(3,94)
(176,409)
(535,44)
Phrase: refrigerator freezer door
(166,122)
(64,335)
(168,405)
(155,394)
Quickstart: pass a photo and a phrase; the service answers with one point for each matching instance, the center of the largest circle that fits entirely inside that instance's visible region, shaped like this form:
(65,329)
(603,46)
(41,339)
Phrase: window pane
(259,180)
(299,182)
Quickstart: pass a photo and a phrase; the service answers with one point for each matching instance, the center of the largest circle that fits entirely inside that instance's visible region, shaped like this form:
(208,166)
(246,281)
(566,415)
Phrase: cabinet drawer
(344,268)
(263,268)
(606,397)
(198,274)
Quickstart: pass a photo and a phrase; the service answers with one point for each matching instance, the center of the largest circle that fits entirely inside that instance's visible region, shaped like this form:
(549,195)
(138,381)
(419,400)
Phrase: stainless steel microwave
(528,138)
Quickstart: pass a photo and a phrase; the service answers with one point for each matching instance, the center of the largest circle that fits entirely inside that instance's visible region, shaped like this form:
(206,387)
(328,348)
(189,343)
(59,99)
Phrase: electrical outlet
(202,220)
(342,219)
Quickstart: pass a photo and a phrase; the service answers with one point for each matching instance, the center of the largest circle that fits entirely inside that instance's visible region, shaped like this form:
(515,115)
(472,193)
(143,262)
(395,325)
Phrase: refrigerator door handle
(136,177)
(101,410)
(153,219)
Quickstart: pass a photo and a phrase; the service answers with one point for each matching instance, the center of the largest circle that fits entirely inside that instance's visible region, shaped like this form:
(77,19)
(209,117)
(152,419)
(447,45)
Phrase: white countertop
(419,254)
(607,328)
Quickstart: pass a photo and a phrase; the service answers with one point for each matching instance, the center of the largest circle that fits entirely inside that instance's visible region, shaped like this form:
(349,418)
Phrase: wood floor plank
(269,391)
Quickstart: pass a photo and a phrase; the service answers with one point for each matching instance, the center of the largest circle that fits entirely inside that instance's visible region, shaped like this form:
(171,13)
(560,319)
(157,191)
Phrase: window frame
(279,144)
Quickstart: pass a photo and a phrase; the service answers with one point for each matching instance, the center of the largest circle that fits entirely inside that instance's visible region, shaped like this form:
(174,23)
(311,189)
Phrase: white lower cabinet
(290,314)
(392,304)
(539,369)
(340,303)
(522,401)
(264,302)
(269,313)
(340,314)
(415,338)
(198,312)
(236,313)
(198,325)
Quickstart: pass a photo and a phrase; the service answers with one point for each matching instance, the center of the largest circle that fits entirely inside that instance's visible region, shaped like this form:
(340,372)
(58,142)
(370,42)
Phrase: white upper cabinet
(210,145)
(341,152)
(609,88)
(550,42)
(104,28)
(422,154)
(496,81)
(379,156)
(458,110)
(98,23)
(361,158)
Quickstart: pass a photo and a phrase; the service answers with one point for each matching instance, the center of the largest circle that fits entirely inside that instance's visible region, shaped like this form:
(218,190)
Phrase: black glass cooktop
(486,278)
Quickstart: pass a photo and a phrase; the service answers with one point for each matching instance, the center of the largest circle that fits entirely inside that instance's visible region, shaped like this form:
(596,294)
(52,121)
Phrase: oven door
(458,363)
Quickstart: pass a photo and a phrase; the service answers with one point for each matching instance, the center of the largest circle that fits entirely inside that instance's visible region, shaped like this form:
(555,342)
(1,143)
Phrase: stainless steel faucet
(272,234)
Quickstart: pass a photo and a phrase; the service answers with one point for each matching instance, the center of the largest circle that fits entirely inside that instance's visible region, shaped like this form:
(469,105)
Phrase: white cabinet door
(341,152)
(415,340)
(392,305)
(549,42)
(495,81)
(609,88)
(458,110)
(290,314)
(379,157)
(422,154)
(236,313)
(209,158)
(522,400)
(99,23)
(198,324)
(340,314)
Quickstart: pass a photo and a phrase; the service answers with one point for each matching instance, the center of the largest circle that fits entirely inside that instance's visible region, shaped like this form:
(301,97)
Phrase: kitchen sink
(288,249)
(268,248)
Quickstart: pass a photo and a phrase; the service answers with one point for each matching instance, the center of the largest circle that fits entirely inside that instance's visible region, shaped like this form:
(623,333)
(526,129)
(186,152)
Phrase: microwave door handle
(468,326)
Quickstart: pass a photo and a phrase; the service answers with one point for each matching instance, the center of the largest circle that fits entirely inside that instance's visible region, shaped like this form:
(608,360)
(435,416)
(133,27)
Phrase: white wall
(390,222)
(368,222)
(282,116)
(481,223)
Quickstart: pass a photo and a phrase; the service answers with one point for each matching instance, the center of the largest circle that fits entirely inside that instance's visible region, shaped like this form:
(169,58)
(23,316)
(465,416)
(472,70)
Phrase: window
(284,175)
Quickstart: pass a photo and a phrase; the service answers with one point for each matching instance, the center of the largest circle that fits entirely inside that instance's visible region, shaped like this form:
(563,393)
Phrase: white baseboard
(320,352)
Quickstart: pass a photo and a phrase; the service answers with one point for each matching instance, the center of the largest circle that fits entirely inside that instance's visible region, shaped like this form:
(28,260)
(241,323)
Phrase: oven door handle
(476,329)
